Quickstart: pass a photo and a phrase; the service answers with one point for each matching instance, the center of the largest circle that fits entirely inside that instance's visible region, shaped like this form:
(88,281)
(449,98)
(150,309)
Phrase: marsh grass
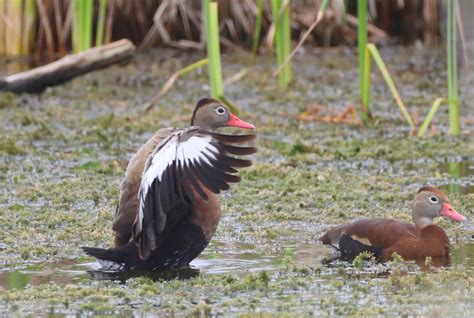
(258,28)
(364,60)
(282,39)
(213,47)
(453,90)
(99,37)
(82,24)
(367,50)
(17,27)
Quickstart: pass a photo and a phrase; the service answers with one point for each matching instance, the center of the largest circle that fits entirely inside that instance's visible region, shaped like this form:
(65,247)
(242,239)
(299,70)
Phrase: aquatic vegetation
(82,24)
(213,48)
(364,59)
(258,27)
(282,39)
(365,49)
(453,90)
(59,192)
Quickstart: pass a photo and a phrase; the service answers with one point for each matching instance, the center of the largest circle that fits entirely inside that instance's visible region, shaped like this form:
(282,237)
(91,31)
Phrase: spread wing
(186,160)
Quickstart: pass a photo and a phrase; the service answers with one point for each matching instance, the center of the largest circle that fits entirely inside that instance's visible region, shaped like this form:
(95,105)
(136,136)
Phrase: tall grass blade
(286,36)
(82,24)
(281,16)
(430,116)
(258,27)
(365,93)
(13,28)
(453,91)
(213,48)
(391,85)
(99,37)
(87,16)
(29,18)
(362,45)
(76,24)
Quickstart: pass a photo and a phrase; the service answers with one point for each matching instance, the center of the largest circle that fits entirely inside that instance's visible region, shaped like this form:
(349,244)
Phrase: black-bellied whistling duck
(383,237)
(168,208)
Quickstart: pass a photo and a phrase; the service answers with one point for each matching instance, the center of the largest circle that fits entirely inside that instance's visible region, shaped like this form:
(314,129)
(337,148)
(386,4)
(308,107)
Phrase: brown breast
(432,241)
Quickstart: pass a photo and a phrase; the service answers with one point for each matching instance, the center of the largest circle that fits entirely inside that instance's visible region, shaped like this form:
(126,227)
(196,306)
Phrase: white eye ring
(220,110)
(434,199)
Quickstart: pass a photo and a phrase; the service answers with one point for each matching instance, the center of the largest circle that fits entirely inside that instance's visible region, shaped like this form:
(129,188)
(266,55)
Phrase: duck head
(209,114)
(431,203)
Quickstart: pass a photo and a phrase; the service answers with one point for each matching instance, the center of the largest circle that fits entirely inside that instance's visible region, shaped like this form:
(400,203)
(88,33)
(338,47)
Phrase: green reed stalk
(213,48)
(28,28)
(365,89)
(281,17)
(76,25)
(13,30)
(258,27)
(82,24)
(99,37)
(87,23)
(286,29)
(453,91)
(364,77)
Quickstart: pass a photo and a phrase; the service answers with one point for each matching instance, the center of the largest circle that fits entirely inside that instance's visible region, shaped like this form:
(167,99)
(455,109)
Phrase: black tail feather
(351,248)
(100,253)
(123,254)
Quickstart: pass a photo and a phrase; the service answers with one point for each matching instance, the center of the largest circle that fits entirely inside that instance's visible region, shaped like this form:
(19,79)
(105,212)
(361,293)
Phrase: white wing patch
(193,150)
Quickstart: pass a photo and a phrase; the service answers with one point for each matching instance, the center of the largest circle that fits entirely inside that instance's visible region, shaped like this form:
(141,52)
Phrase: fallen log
(68,67)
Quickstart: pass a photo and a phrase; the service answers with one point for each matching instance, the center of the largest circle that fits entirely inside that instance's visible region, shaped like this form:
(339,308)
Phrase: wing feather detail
(177,171)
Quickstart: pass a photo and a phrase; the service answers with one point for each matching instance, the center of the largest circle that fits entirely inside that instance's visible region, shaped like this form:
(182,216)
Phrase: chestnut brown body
(384,237)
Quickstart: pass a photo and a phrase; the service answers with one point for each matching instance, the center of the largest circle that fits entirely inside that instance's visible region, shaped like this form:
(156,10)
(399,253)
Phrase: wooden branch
(68,67)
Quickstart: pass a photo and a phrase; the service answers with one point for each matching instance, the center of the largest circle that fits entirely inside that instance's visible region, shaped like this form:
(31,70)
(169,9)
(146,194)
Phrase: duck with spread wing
(168,208)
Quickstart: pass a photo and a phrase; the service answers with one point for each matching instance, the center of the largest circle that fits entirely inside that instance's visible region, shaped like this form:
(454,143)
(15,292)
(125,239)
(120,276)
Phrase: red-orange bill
(451,213)
(234,121)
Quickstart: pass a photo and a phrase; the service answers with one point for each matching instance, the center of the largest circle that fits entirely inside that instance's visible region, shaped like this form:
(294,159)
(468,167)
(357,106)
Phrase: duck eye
(220,110)
(433,199)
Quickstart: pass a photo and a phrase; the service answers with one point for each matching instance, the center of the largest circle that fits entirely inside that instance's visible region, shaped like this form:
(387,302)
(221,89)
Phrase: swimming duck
(168,208)
(382,237)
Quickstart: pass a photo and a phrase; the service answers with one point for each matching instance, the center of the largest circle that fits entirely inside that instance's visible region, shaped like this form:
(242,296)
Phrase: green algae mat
(63,154)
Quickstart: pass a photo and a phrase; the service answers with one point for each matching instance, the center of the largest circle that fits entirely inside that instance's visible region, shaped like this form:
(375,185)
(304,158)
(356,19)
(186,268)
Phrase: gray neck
(202,123)
(419,218)
(421,221)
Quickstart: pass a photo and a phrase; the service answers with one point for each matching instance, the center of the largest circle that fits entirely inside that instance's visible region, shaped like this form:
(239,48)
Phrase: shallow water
(240,262)
(64,153)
